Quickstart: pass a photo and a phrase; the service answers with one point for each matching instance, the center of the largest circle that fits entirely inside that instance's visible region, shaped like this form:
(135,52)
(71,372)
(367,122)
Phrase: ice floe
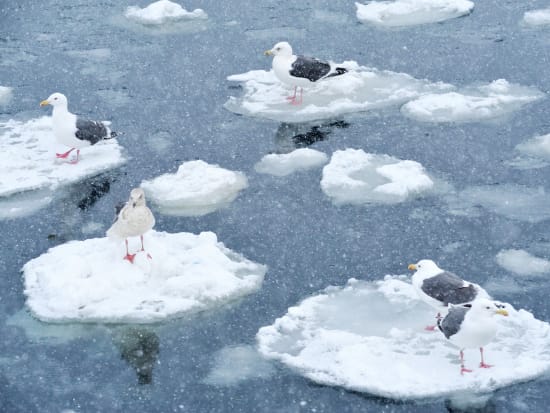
(509,200)
(356,177)
(522,263)
(287,163)
(369,337)
(411,12)
(534,153)
(197,188)
(5,95)
(88,281)
(360,89)
(28,162)
(161,12)
(472,104)
(540,17)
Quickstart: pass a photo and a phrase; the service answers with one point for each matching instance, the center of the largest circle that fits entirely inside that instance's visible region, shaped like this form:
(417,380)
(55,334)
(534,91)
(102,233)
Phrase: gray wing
(450,325)
(90,130)
(449,289)
(309,68)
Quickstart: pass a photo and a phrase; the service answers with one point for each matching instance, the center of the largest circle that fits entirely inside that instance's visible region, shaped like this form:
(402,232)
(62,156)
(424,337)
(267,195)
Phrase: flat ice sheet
(88,281)
(411,12)
(28,162)
(356,177)
(540,17)
(161,12)
(197,188)
(359,90)
(288,163)
(369,337)
(472,104)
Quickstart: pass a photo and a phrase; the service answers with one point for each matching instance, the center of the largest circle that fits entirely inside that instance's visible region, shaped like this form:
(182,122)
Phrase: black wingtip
(115,134)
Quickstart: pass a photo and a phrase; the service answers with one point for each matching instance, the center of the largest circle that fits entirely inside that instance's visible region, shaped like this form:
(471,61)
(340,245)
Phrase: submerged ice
(287,163)
(162,11)
(540,17)
(522,263)
(5,95)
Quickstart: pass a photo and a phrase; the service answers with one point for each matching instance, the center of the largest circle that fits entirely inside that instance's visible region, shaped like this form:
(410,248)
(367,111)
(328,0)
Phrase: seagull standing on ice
(471,326)
(132,219)
(73,131)
(299,71)
(439,288)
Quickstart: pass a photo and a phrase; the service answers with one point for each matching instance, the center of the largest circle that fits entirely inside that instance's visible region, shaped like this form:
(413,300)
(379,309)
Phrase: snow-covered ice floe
(522,263)
(540,17)
(472,104)
(197,188)
(359,90)
(161,12)
(88,281)
(28,162)
(356,177)
(5,95)
(411,12)
(369,337)
(287,163)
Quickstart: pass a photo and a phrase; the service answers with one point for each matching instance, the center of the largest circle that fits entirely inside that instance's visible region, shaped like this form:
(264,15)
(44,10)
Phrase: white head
(280,49)
(425,268)
(137,197)
(55,99)
(485,308)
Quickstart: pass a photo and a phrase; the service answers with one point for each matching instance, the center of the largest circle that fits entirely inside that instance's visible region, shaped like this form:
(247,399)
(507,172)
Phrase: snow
(338,338)
(161,12)
(540,17)
(356,177)
(522,263)
(288,163)
(27,158)
(88,281)
(411,12)
(479,103)
(197,188)
(359,90)
(5,95)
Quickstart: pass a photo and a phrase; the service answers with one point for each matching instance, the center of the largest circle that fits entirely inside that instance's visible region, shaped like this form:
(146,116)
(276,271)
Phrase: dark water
(172,84)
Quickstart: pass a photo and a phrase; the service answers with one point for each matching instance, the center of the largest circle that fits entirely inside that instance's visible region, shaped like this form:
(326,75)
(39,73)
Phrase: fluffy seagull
(299,71)
(439,288)
(132,218)
(73,131)
(471,326)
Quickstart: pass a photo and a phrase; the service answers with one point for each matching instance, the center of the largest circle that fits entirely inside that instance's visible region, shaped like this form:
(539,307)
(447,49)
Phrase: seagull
(470,326)
(299,71)
(132,218)
(439,288)
(73,131)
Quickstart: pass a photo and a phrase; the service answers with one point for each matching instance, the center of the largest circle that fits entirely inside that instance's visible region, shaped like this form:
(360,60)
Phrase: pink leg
(143,249)
(292,98)
(129,257)
(462,368)
(482,364)
(77,155)
(65,154)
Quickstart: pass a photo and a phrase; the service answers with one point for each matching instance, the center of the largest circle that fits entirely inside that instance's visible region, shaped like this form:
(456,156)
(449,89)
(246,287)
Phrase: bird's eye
(54,98)
(488,308)
(278,48)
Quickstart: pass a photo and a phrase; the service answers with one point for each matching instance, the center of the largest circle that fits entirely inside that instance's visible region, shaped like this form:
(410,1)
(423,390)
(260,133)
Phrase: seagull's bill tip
(268,53)
(412,267)
(44,103)
(502,312)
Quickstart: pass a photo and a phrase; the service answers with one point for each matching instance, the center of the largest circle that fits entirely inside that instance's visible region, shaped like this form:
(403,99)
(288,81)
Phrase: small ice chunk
(472,104)
(522,263)
(88,281)
(285,164)
(161,12)
(540,17)
(197,188)
(5,95)
(538,146)
(411,12)
(356,177)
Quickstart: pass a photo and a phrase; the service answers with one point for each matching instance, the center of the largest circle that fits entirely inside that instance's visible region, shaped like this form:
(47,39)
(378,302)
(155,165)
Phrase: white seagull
(299,71)
(73,131)
(132,218)
(439,288)
(471,326)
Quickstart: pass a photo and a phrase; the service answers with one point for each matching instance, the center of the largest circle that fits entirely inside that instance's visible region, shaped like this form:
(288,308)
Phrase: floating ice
(539,17)
(356,177)
(238,363)
(411,12)
(285,164)
(27,158)
(5,95)
(197,188)
(510,200)
(162,11)
(539,146)
(360,89)
(484,102)
(522,263)
(340,338)
(88,281)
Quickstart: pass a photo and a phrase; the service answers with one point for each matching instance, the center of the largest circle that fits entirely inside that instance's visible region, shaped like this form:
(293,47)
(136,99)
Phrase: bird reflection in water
(291,136)
(139,347)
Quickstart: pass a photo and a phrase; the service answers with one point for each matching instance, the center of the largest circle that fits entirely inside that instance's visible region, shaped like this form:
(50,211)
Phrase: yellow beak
(502,312)
(268,53)
(412,267)
(44,103)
